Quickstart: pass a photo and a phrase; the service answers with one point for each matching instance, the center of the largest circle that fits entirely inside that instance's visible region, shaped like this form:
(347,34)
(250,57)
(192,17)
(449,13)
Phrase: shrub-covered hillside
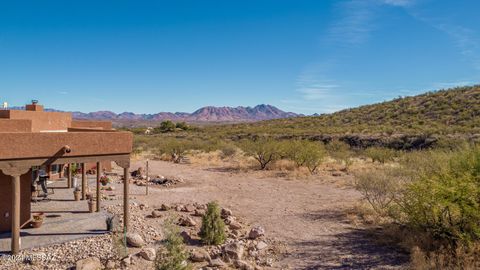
(441,112)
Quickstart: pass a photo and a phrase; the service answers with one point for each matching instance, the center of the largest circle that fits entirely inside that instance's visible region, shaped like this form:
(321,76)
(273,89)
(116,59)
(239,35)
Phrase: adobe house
(33,137)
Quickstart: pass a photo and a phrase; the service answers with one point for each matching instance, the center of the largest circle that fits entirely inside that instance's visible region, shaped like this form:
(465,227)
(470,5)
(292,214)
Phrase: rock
(127,260)
(199,255)
(226,212)
(143,206)
(200,206)
(148,254)
(217,263)
(188,208)
(261,245)
(235,225)
(92,263)
(135,240)
(229,219)
(179,208)
(243,265)
(111,265)
(256,232)
(233,250)
(164,207)
(199,212)
(187,221)
(336,174)
(186,236)
(156,214)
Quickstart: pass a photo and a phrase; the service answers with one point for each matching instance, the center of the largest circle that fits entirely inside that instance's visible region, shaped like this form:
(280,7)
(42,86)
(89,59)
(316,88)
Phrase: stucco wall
(41,145)
(7,125)
(91,124)
(6,200)
(44,121)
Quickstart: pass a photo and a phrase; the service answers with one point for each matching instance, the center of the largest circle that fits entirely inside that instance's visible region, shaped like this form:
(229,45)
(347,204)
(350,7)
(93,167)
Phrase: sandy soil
(307,215)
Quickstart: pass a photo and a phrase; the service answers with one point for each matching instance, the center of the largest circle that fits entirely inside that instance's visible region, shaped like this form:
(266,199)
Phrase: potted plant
(74,170)
(91,205)
(76,193)
(37,220)
(104,180)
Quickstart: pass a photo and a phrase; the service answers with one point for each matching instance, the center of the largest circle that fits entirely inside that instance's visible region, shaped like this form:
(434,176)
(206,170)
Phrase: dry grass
(216,159)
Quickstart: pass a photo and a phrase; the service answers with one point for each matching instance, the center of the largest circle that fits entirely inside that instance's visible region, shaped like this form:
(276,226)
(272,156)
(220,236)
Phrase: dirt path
(307,215)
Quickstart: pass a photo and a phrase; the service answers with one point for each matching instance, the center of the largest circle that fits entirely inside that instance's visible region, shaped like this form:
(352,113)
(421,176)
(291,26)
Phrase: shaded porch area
(65,219)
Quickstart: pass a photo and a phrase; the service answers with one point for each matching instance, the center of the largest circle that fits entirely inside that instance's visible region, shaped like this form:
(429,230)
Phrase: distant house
(32,138)
(149,131)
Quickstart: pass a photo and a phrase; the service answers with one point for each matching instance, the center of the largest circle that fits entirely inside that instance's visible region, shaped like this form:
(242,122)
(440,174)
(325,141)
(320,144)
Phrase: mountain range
(204,114)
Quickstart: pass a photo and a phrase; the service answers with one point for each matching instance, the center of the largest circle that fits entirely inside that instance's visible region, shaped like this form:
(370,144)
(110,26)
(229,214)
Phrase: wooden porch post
(84,181)
(15,214)
(99,169)
(69,175)
(126,215)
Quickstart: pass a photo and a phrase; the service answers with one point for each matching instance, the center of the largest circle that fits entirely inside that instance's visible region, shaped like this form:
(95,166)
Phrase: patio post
(15,214)
(84,181)
(126,215)
(99,169)
(69,175)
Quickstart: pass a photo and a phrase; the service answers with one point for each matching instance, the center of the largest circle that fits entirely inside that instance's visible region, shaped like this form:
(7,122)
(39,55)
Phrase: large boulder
(135,240)
(91,263)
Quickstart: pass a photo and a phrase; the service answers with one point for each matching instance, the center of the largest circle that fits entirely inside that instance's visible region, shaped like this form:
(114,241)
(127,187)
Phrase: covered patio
(65,220)
(16,168)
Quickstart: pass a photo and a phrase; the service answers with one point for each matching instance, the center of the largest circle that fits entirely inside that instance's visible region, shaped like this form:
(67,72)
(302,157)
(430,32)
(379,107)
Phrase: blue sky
(303,56)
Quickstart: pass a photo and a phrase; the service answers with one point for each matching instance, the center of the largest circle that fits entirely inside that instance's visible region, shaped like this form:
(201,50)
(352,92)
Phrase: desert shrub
(446,202)
(340,151)
(264,150)
(212,231)
(182,126)
(165,126)
(175,148)
(380,154)
(305,153)
(228,150)
(172,255)
(435,195)
(380,188)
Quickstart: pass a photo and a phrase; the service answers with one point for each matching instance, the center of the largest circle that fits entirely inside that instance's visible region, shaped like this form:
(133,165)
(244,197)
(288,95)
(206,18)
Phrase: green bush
(446,202)
(182,126)
(264,150)
(433,192)
(305,153)
(165,126)
(172,255)
(212,231)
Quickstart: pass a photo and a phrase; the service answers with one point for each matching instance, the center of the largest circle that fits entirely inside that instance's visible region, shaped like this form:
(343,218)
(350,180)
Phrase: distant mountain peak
(205,114)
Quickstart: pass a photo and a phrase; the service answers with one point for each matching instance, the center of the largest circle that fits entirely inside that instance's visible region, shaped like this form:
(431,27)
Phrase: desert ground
(309,216)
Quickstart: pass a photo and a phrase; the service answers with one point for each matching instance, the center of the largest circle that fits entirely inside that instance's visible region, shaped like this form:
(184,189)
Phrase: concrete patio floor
(65,220)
